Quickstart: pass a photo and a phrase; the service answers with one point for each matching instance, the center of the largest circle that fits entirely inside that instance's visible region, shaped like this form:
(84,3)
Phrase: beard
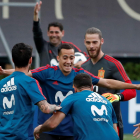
(96,53)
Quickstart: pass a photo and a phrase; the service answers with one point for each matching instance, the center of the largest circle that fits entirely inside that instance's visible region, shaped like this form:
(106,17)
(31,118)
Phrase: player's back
(93,117)
(16,108)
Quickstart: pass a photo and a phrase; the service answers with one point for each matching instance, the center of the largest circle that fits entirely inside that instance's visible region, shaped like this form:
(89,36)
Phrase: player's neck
(96,59)
(82,89)
(23,69)
(56,45)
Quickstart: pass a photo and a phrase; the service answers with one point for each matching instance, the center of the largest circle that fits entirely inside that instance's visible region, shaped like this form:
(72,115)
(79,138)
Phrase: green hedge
(132,70)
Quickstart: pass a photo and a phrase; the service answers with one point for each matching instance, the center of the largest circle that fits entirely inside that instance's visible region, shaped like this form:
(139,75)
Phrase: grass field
(129,137)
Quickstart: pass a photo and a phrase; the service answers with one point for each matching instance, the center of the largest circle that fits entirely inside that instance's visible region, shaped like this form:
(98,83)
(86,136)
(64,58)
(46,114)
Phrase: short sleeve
(40,73)
(67,104)
(35,92)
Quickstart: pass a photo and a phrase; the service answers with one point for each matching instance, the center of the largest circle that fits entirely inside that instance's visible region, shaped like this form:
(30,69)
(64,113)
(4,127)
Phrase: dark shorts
(120,131)
(45,136)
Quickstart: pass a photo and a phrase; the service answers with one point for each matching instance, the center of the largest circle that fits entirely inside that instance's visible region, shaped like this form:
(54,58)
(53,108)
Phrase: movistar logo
(60,95)
(100,112)
(7,102)
(9,86)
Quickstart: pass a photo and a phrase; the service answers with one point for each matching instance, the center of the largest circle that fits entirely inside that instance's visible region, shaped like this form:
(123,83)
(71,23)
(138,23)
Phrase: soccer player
(57,83)
(18,95)
(105,66)
(93,115)
(48,51)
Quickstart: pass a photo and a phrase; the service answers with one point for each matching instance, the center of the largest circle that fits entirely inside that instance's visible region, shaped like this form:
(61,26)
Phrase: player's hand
(78,64)
(1,71)
(136,132)
(37,7)
(138,86)
(111,97)
(37,132)
(53,108)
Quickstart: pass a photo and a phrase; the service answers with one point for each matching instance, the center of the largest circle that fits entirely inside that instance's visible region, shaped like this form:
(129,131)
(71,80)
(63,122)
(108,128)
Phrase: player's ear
(92,88)
(57,58)
(75,89)
(30,60)
(102,41)
(63,32)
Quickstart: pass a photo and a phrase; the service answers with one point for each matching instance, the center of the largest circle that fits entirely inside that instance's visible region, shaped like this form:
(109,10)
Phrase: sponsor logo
(8,104)
(10,86)
(55,83)
(100,112)
(101,73)
(95,97)
(61,97)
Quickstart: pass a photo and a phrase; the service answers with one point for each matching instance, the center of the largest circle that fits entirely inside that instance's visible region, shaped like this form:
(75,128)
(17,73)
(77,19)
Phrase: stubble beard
(96,54)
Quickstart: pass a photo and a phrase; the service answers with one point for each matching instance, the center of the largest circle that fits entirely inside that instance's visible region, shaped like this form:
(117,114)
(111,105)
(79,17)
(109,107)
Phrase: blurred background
(119,21)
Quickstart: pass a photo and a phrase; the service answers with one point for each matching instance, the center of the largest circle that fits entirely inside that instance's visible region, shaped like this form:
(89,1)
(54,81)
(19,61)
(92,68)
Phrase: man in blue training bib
(92,114)
(18,94)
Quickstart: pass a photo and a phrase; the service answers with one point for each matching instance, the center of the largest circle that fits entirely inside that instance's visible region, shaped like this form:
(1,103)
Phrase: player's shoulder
(43,68)
(76,70)
(86,62)
(111,59)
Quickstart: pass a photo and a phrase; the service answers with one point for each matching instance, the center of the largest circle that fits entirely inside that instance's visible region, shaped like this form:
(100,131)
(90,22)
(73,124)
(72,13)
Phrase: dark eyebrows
(68,56)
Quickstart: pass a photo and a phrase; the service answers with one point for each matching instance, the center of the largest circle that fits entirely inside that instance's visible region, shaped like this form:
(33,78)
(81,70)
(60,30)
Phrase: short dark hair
(65,46)
(55,24)
(94,30)
(82,80)
(21,53)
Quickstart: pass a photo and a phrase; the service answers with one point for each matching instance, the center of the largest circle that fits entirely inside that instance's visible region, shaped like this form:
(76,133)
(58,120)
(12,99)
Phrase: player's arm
(50,124)
(115,127)
(115,84)
(119,73)
(36,10)
(7,72)
(47,108)
(37,32)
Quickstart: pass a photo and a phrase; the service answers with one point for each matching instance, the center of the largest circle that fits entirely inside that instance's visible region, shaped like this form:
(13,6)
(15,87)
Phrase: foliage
(132,70)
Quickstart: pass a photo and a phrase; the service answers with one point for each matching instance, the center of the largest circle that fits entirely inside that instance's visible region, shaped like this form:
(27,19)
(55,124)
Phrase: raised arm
(36,10)
(37,32)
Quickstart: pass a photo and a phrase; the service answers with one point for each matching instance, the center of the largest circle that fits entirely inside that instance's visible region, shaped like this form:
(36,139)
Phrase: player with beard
(105,66)
(47,50)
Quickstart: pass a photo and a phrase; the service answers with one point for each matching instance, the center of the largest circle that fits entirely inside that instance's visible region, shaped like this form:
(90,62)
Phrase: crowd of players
(84,114)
